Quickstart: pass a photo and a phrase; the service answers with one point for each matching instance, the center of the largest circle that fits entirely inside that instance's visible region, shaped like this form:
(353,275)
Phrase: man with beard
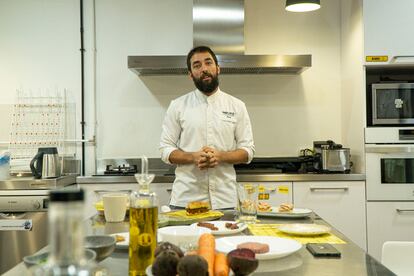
(204,133)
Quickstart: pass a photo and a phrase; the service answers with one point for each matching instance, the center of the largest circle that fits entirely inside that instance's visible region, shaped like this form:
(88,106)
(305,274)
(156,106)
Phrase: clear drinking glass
(143,220)
(247,194)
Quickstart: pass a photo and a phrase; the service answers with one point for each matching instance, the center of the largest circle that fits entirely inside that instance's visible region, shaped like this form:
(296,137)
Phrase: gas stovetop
(301,164)
(124,169)
(129,167)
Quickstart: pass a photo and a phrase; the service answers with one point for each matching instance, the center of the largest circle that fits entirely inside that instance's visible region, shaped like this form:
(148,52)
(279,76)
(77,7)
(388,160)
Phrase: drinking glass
(247,195)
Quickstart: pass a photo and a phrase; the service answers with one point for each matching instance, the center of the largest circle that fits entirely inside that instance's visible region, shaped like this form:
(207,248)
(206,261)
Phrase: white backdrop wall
(288,112)
(39,50)
(352,84)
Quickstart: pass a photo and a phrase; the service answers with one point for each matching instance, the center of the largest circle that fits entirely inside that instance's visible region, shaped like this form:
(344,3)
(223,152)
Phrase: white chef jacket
(193,121)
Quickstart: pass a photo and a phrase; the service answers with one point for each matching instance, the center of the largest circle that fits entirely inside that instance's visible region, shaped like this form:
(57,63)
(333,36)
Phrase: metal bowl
(41,258)
(103,245)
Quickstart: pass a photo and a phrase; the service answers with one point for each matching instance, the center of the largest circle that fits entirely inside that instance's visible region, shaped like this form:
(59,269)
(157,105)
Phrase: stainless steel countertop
(354,261)
(29,183)
(240,178)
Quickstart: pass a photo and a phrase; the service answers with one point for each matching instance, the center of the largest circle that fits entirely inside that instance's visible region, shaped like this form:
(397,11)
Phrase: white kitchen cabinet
(340,203)
(163,191)
(388,221)
(388,30)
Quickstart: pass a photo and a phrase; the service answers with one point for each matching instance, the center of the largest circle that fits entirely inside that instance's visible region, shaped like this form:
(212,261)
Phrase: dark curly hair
(199,49)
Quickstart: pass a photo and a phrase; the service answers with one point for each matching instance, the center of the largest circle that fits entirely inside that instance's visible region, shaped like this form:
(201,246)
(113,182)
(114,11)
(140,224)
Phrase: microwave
(393,104)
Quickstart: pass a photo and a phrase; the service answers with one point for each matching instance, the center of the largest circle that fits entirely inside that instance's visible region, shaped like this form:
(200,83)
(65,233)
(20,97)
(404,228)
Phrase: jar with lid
(66,248)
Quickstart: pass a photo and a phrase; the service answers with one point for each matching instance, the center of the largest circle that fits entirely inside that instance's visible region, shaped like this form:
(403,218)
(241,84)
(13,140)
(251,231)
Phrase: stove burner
(121,169)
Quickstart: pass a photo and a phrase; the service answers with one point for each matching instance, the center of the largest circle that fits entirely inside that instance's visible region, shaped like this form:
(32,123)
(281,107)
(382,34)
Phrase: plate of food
(304,229)
(222,227)
(265,247)
(194,212)
(122,240)
(283,211)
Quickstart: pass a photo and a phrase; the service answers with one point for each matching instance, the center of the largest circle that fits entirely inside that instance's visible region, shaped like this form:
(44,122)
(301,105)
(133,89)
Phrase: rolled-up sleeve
(170,134)
(244,133)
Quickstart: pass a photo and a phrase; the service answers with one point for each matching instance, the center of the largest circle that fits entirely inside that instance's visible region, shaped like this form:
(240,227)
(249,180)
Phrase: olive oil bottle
(143,223)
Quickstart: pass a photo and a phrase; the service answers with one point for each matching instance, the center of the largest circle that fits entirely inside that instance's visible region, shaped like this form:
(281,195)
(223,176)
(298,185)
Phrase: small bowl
(103,245)
(41,258)
(183,236)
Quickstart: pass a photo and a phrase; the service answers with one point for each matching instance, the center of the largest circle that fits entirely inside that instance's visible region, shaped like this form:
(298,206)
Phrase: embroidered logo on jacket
(228,114)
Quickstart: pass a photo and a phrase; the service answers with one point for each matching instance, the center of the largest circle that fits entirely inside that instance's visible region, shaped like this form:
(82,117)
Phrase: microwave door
(393,104)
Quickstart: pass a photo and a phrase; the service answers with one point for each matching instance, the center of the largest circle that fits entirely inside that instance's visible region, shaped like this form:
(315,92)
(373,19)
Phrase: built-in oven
(390,171)
(393,104)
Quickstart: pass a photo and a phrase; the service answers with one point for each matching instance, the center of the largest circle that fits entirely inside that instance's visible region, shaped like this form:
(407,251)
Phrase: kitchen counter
(30,183)
(240,177)
(354,261)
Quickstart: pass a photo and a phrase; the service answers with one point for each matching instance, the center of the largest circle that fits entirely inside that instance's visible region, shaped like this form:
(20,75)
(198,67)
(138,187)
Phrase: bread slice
(197,207)
(286,207)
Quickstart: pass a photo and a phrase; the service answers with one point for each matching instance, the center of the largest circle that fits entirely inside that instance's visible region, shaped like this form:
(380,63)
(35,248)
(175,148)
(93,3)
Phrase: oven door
(392,103)
(390,172)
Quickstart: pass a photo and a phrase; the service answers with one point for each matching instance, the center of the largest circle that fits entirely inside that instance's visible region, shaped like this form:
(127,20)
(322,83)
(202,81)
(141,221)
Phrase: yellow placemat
(183,214)
(272,230)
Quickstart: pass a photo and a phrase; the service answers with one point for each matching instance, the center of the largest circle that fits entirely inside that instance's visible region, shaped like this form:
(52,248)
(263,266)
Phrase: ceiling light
(302,5)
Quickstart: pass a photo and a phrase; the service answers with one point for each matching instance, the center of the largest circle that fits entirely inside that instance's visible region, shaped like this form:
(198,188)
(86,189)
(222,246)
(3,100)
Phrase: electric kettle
(46,163)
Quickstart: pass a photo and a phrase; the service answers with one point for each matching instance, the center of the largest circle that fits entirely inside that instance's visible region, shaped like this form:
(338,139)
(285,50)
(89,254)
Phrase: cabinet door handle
(404,210)
(315,189)
(395,59)
(169,190)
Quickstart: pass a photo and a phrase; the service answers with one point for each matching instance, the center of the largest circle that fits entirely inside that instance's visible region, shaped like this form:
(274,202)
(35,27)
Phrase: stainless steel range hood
(219,24)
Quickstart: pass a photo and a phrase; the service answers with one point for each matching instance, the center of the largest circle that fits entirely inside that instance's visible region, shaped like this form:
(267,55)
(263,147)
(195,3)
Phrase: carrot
(206,249)
(221,267)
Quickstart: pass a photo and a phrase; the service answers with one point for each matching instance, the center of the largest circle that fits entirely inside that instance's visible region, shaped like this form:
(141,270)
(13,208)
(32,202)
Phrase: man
(204,133)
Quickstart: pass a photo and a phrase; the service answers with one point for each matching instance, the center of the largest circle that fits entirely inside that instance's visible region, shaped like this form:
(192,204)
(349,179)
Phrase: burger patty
(256,247)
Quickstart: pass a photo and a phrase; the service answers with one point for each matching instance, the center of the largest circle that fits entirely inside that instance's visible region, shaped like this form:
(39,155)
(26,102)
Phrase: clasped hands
(206,158)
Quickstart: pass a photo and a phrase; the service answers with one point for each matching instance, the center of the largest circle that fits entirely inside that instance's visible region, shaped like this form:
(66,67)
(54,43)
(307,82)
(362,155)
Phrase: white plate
(304,229)
(278,247)
(222,230)
(122,244)
(295,213)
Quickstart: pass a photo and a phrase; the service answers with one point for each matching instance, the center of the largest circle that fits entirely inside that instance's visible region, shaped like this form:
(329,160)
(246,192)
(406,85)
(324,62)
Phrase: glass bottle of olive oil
(143,219)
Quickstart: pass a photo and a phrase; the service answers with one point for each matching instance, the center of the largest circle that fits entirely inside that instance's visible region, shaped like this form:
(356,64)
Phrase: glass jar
(67,252)
(143,224)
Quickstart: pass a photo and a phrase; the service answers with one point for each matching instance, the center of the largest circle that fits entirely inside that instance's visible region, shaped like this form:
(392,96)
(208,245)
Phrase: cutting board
(181,218)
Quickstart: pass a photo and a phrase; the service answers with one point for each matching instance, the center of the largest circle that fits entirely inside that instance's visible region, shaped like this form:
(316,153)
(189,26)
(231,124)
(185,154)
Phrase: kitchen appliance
(225,35)
(131,166)
(263,165)
(393,103)
(331,157)
(390,171)
(23,216)
(46,163)
(124,169)
(389,155)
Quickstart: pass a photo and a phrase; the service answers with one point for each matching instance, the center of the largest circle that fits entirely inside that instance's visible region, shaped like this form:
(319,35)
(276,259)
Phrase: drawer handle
(404,210)
(169,190)
(314,189)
